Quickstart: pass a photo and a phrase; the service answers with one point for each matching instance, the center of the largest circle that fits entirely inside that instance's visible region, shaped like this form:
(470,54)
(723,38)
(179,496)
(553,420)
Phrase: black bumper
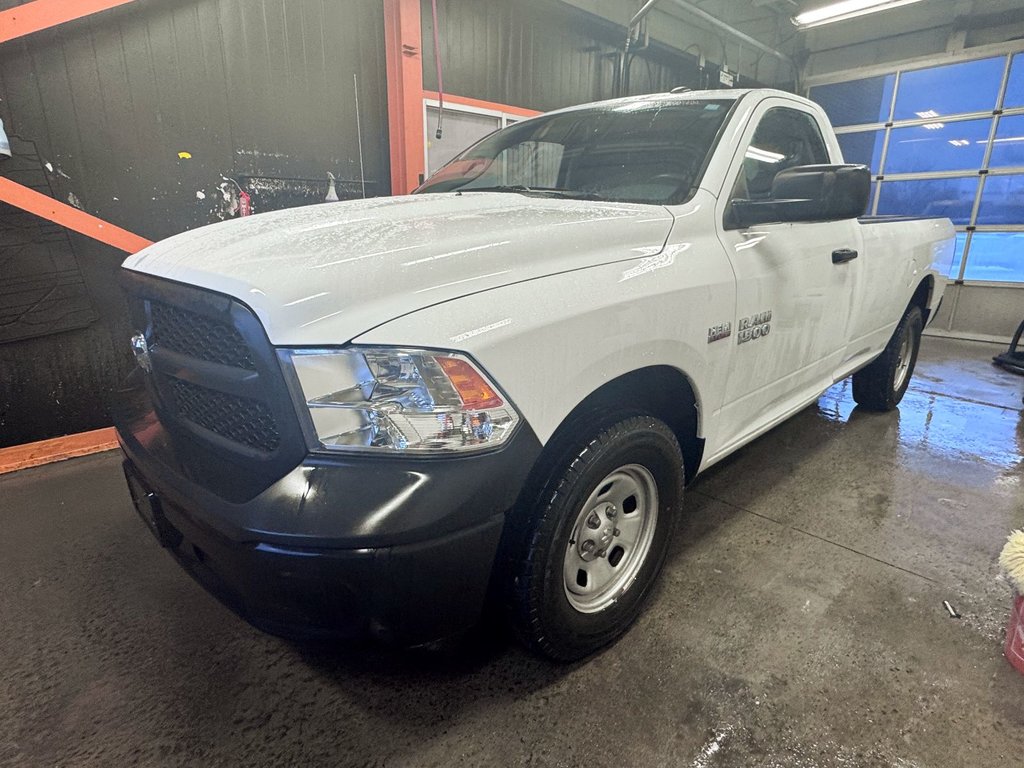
(401,549)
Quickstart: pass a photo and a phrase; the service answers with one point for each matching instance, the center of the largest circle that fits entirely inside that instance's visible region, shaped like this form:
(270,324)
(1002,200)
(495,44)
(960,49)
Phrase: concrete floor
(799,623)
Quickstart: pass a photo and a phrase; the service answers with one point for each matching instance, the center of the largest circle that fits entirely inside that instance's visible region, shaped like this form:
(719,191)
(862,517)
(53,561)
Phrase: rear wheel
(596,537)
(881,385)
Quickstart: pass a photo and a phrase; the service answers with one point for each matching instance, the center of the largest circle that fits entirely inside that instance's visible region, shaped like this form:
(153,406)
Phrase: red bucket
(1015,634)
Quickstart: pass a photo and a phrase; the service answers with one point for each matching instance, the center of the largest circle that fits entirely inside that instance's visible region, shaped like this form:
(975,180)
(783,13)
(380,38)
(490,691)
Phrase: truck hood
(327,273)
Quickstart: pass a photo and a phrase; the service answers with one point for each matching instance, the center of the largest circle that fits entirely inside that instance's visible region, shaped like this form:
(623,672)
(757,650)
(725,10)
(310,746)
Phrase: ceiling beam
(714,21)
(37,15)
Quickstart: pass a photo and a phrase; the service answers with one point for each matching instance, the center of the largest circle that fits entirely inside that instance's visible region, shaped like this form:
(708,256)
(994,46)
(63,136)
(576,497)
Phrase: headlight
(400,400)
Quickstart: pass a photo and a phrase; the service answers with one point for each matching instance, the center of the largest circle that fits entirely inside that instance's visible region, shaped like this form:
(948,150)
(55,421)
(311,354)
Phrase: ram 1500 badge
(372,416)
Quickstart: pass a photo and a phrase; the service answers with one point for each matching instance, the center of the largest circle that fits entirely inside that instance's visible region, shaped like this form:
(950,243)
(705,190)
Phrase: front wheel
(881,385)
(596,537)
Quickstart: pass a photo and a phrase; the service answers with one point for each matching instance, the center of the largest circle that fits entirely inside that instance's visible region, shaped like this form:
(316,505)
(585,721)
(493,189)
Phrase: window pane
(971,86)
(784,138)
(461,130)
(1008,148)
(929,197)
(864,147)
(856,101)
(1001,200)
(1015,86)
(958,255)
(938,147)
(533,163)
(997,256)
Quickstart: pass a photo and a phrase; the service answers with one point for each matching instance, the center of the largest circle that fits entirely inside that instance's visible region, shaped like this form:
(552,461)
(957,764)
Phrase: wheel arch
(923,297)
(662,391)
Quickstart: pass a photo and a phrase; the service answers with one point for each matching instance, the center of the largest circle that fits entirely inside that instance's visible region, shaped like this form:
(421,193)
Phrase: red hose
(437,64)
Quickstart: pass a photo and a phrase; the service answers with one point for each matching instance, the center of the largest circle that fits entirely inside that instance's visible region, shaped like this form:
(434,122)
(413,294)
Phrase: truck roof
(725,94)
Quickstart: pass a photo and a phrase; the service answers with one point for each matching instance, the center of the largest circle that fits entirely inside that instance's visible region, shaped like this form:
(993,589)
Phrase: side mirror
(808,193)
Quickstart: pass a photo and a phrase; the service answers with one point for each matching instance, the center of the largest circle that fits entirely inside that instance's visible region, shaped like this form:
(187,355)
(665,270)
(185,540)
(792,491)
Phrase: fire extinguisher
(244,203)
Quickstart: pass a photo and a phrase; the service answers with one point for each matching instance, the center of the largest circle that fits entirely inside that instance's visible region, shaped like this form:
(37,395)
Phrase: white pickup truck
(369,417)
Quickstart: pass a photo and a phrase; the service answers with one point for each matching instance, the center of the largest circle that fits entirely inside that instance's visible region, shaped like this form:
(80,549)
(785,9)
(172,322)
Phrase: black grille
(236,418)
(197,336)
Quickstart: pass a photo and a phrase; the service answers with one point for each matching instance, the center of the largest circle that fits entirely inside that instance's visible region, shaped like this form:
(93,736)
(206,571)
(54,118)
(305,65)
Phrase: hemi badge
(721,331)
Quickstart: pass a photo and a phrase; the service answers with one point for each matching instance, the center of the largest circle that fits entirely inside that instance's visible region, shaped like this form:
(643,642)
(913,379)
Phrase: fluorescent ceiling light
(846,9)
(933,126)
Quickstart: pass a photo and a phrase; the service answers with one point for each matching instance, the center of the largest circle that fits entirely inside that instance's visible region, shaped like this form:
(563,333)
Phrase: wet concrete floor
(799,623)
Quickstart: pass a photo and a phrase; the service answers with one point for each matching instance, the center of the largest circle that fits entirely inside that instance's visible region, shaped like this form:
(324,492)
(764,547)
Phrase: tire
(594,537)
(881,385)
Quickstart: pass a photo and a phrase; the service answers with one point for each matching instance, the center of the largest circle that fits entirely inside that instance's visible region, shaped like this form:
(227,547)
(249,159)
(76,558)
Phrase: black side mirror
(808,193)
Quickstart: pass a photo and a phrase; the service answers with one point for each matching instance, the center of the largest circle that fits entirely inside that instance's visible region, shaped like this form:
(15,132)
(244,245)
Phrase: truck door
(793,295)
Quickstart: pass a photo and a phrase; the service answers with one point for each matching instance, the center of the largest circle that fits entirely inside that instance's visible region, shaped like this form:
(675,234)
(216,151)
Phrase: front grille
(195,335)
(239,419)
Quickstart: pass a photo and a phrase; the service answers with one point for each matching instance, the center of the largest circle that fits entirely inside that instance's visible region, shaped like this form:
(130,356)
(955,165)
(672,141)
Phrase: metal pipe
(359,135)
(702,14)
(641,13)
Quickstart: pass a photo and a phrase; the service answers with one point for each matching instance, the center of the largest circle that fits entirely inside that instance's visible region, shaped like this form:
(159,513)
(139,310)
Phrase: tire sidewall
(654,447)
(912,323)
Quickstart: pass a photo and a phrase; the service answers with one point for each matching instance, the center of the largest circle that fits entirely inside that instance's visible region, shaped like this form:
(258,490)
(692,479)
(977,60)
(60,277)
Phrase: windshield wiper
(568,194)
(498,188)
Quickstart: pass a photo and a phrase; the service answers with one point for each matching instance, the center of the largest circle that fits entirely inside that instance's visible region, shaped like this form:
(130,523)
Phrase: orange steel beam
(56,449)
(53,210)
(31,17)
(466,101)
(403,54)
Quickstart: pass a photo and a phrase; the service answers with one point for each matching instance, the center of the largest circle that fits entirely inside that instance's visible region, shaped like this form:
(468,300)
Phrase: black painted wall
(258,91)
(542,54)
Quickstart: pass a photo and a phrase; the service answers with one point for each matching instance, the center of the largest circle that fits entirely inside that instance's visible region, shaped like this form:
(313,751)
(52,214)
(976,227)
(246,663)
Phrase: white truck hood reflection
(327,273)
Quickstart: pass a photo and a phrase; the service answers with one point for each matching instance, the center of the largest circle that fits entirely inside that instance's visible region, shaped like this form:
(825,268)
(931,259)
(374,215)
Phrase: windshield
(637,152)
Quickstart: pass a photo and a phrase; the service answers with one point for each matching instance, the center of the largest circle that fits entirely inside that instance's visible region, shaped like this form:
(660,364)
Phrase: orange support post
(31,17)
(404,58)
(53,210)
(56,449)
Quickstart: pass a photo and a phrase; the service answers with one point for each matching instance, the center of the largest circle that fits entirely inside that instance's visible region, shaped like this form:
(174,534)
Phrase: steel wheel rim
(903,359)
(610,539)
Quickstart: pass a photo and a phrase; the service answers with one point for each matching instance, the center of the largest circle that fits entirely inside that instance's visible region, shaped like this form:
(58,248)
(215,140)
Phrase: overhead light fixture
(5,144)
(846,9)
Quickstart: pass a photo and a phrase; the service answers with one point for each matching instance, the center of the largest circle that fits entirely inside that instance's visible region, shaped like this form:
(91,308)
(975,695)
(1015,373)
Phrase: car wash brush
(1011,560)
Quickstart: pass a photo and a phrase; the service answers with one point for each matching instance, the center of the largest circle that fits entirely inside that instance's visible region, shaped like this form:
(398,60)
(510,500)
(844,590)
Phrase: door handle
(843,255)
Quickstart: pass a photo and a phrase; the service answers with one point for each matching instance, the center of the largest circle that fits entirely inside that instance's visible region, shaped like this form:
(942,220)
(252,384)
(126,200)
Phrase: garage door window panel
(1001,201)
(864,148)
(938,146)
(970,86)
(996,256)
(857,102)
(953,198)
(1008,145)
(1014,96)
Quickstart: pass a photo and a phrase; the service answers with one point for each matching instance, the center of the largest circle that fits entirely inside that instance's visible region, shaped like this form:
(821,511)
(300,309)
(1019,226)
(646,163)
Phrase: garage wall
(100,108)
(539,54)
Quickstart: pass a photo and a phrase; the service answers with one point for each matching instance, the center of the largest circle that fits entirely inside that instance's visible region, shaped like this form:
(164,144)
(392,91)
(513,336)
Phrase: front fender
(549,343)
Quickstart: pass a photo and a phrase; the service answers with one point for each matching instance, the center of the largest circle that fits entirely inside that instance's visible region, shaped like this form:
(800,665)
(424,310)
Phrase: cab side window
(784,138)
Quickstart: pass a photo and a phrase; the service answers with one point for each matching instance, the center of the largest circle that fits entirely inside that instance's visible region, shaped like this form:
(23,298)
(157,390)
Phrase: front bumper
(401,549)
